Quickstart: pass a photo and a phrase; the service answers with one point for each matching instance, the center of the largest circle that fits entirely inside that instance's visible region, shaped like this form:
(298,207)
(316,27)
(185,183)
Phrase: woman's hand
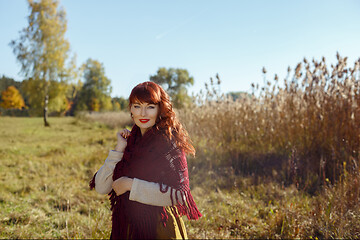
(122,185)
(121,140)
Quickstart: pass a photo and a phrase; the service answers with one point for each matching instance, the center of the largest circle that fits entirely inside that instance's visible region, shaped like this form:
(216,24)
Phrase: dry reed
(111,119)
(300,131)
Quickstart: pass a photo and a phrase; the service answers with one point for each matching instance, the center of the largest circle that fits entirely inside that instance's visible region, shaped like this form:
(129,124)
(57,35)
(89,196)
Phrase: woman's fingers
(121,140)
(125,133)
(120,135)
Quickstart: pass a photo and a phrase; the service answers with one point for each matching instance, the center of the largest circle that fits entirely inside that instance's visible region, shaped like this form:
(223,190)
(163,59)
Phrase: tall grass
(110,119)
(300,131)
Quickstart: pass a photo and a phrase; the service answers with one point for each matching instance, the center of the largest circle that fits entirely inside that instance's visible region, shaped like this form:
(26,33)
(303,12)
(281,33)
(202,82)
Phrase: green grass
(44,178)
(44,175)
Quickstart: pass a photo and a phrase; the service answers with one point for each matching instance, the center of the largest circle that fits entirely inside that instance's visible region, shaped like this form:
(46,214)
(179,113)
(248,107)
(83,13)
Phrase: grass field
(44,191)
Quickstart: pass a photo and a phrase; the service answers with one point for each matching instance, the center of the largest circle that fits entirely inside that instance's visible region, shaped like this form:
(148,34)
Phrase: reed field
(305,130)
(280,162)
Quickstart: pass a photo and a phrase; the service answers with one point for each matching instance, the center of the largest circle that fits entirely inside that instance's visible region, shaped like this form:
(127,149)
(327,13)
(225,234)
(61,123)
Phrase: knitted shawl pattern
(152,157)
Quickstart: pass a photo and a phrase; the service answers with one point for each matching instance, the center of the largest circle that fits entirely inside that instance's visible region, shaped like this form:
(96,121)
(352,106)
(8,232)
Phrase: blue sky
(231,37)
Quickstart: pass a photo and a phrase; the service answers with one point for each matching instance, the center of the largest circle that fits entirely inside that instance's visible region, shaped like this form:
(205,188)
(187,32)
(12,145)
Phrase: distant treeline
(90,93)
(24,98)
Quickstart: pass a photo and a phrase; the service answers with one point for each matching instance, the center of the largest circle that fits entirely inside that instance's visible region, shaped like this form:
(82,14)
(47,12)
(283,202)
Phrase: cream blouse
(141,191)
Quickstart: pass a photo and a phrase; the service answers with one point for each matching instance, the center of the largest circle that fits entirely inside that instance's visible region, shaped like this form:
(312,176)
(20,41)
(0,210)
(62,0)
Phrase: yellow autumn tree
(42,50)
(11,98)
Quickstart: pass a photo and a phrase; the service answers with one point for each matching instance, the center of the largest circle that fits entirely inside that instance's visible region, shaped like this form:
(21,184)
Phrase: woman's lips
(144,120)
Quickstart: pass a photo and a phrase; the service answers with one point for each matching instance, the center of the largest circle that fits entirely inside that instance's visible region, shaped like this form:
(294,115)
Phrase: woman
(146,175)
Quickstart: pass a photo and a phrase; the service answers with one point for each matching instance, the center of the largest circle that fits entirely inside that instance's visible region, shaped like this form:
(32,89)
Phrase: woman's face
(144,115)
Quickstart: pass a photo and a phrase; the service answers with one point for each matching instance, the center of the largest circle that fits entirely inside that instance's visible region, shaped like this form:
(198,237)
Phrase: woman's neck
(143,131)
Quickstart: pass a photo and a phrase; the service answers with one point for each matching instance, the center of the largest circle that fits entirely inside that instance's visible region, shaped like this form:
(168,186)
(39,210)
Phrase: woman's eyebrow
(144,103)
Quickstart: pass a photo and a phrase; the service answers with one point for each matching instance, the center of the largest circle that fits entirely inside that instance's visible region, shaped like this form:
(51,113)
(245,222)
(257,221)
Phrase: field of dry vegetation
(281,162)
(298,144)
(305,128)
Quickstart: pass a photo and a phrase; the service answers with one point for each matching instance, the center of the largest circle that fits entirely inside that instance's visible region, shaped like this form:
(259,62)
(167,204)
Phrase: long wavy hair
(150,92)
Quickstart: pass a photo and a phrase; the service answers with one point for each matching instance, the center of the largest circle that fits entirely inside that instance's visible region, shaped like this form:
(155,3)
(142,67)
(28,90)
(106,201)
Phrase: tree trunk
(46,101)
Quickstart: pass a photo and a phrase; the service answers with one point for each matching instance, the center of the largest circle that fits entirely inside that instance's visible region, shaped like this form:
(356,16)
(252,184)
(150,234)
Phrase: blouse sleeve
(149,193)
(103,178)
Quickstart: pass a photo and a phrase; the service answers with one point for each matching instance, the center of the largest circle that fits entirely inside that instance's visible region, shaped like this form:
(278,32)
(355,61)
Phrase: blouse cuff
(134,190)
(149,193)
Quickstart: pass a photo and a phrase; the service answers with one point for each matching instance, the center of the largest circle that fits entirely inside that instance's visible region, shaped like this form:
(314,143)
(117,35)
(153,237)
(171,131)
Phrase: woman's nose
(143,111)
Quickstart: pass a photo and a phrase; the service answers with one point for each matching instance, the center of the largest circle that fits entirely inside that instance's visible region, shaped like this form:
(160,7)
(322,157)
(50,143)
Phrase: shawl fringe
(92,182)
(188,207)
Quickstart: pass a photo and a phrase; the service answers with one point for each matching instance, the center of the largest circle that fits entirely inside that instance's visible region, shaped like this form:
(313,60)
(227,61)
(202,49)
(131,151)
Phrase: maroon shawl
(154,158)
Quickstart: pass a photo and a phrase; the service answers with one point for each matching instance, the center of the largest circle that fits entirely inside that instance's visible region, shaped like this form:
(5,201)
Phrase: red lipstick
(144,120)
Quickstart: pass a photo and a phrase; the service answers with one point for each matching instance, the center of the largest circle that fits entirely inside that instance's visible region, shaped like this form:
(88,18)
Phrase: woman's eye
(136,106)
(151,107)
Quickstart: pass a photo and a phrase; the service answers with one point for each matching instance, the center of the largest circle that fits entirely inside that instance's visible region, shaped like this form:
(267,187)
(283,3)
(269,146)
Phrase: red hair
(150,92)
